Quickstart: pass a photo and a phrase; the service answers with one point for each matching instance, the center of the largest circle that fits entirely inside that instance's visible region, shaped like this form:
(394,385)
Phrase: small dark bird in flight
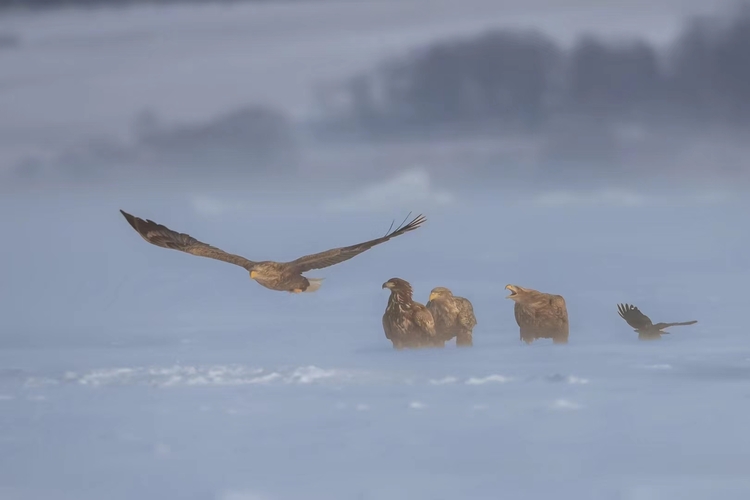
(642,323)
(281,276)
(539,315)
(454,316)
(407,323)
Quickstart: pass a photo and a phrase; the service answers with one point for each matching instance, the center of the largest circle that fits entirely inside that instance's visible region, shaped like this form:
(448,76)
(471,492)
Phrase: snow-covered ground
(130,371)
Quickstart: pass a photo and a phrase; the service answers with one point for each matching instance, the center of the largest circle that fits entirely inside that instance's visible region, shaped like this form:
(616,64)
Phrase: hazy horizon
(174,94)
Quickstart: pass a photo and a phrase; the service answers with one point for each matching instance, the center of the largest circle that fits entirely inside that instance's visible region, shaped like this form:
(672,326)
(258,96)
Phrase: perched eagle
(454,316)
(642,323)
(539,315)
(281,276)
(408,323)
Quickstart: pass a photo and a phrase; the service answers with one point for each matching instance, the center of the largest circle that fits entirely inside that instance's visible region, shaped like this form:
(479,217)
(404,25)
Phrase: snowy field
(133,372)
(130,371)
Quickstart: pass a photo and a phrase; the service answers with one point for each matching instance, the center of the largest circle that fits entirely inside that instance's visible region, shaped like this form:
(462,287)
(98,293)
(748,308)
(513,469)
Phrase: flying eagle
(281,276)
(539,315)
(408,323)
(642,323)
(454,316)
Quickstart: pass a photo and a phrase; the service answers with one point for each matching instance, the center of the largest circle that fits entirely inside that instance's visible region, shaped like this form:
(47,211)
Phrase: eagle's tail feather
(315,284)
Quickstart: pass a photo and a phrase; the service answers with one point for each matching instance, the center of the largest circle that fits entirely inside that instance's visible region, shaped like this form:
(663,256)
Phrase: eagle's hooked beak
(432,296)
(512,291)
(387,284)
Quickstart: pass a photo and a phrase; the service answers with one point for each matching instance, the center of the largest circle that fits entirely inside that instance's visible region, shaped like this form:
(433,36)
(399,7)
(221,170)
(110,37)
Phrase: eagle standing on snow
(454,316)
(539,315)
(408,323)
(642,323)
(281,276)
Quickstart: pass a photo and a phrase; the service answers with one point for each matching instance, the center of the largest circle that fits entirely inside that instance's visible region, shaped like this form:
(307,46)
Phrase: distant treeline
(253,139)
(524,81)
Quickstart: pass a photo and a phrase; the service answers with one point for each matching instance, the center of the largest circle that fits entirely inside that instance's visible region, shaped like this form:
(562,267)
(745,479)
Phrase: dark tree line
(522,80)
(253,140)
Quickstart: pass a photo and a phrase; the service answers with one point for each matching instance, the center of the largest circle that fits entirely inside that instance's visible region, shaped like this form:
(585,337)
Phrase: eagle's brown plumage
(454,316)
(408,324)
(642,323)
(281,276)
(539,315)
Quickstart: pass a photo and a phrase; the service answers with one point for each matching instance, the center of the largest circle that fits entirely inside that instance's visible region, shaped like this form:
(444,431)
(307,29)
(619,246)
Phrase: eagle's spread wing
(667,325)
(337,255)
(633,316)
(162,236)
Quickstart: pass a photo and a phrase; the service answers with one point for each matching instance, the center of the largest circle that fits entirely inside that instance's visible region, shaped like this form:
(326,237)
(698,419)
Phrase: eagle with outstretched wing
(407,323)
(281,276)
(454,316)
(642,324)
(539,315)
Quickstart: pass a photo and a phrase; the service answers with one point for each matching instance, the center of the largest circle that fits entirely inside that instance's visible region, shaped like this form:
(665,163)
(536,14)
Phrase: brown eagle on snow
(642,323)
(408,323)
(454,316)
(281,276)
(539,315)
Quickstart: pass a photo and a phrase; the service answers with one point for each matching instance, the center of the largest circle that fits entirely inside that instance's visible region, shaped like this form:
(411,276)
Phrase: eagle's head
(439,293)
(397,285)
(517,293)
